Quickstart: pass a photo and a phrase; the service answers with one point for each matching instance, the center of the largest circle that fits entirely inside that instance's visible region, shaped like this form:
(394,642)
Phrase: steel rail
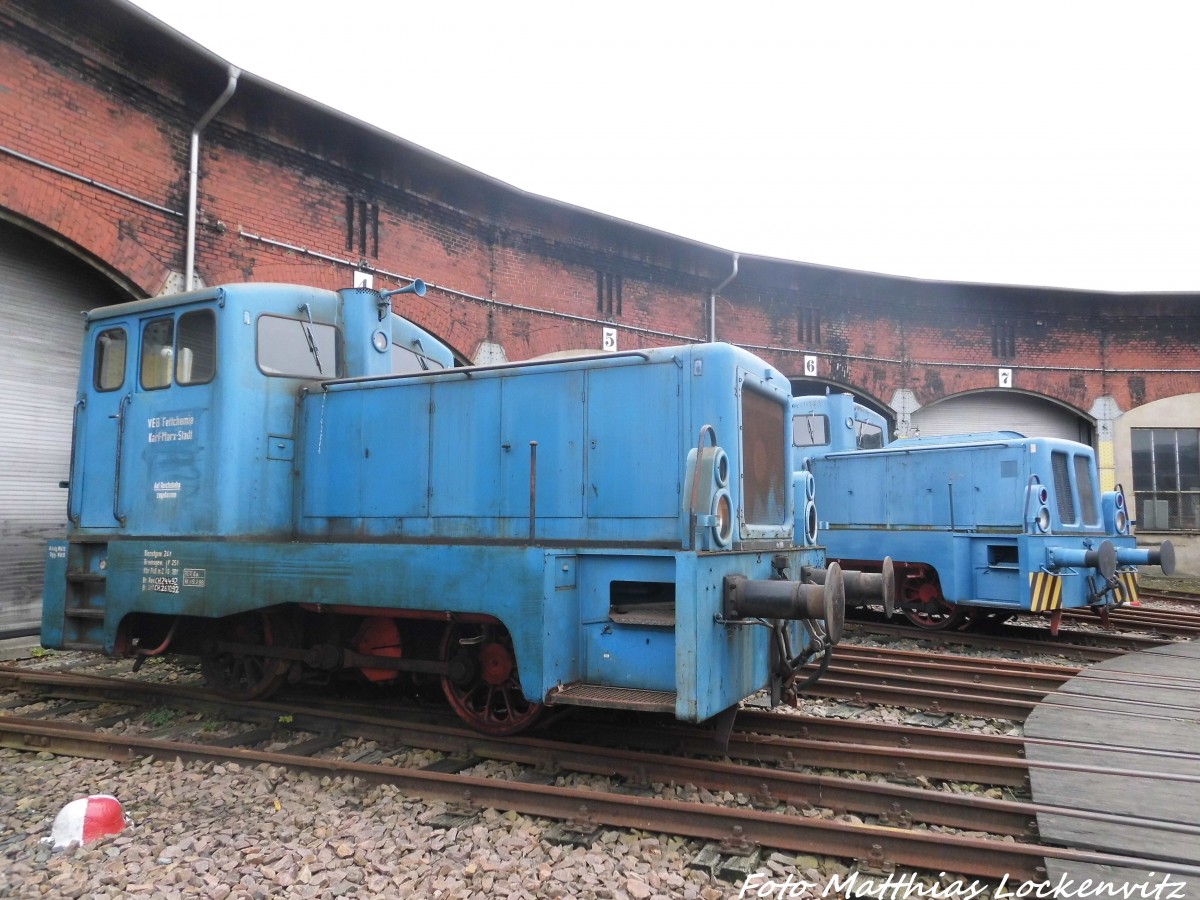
(1190,598)
(948,661)
(1166,622)
(965,756)
(865,686)
(891,690)
(738,827)
(952,674)
(764,738)
(903,738)
(1090,645)
(894,804)
(788,747)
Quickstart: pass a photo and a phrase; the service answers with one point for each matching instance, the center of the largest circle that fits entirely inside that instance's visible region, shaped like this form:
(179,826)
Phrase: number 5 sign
(1005,377)
(610,340)
(810,367)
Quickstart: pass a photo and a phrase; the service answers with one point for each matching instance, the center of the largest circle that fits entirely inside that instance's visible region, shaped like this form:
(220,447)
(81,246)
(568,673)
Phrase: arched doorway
(990,410)
(43,292)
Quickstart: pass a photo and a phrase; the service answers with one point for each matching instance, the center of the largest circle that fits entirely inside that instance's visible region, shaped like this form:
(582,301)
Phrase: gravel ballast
(224,831)
(232,832)
(227,831)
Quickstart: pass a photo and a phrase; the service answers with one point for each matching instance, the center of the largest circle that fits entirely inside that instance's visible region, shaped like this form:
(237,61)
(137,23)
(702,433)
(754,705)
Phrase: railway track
(772,782)
(1163,616)
(1183,598)
(951,684)
(1146,618)
(1024,636)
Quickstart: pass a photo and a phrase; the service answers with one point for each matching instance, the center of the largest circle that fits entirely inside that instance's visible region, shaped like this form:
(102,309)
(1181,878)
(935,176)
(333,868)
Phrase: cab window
(297,348)
(868,436)
(196,357)
(108,373)
(186,353)
(405,361)
(158,352)
(810,431)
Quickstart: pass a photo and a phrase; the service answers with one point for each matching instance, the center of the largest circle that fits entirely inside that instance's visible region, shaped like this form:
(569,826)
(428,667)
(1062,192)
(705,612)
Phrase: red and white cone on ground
(85,820)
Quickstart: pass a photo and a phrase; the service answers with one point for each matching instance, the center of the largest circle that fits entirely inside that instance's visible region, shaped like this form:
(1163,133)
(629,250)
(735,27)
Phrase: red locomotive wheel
(244,676)
(484,688)
(925,607)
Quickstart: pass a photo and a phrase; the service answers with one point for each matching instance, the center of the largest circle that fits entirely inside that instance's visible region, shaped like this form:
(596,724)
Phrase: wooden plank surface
(1060,718)
(1123,759)
(1149,663)
(1190,649)
(1147,701)
(1072,878)
(1153,696)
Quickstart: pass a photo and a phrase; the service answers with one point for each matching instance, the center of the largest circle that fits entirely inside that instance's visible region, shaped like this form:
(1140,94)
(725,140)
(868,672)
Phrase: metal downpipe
(712,300)
(194,174)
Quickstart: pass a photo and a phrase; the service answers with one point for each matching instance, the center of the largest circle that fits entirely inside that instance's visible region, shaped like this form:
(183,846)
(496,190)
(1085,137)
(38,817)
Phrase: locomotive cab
(185,424)
(192,398)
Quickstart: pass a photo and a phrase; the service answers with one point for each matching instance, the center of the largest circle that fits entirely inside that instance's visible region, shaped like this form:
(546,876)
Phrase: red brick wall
(103,109)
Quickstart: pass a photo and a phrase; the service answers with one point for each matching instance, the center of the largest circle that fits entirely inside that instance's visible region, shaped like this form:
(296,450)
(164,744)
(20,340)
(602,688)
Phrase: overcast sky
(1021,142)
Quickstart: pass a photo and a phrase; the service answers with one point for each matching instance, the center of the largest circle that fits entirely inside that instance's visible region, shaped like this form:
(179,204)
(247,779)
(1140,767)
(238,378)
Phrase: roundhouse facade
(128,151)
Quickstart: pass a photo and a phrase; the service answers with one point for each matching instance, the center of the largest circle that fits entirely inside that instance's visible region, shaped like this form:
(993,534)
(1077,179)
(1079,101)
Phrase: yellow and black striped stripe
(1129,585)
(1045,592)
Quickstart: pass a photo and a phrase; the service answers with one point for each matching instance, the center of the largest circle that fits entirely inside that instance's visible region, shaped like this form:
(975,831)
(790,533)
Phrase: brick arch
(1033,400)
(1034,395)
(809,386)
(1182,410)
(83,232)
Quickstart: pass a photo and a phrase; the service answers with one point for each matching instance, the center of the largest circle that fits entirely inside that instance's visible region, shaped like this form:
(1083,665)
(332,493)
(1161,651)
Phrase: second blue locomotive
(290,482)
(986,525)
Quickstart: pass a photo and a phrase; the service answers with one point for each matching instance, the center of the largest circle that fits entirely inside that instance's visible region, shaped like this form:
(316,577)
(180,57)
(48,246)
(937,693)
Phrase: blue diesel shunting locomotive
(290,482)
(986,525)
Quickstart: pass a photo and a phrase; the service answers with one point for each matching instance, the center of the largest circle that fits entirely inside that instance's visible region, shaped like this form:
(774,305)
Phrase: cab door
(168,482)
(100,413)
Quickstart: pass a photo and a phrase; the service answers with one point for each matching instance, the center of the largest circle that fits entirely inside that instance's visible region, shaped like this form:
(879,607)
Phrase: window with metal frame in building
(1166,478)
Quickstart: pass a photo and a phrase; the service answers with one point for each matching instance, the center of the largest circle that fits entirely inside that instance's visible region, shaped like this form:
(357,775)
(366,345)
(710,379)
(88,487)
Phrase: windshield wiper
(308,335)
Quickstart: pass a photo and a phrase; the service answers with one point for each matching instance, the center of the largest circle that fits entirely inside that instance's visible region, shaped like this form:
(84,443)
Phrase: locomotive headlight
(720,467)
(722,509)
(810,523)
(379,340)
(709,504)
(1116,515)
(1037,507)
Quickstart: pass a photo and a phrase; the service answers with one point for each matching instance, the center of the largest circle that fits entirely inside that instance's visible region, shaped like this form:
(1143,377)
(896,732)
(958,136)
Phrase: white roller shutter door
(1001,411)
(43,291)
